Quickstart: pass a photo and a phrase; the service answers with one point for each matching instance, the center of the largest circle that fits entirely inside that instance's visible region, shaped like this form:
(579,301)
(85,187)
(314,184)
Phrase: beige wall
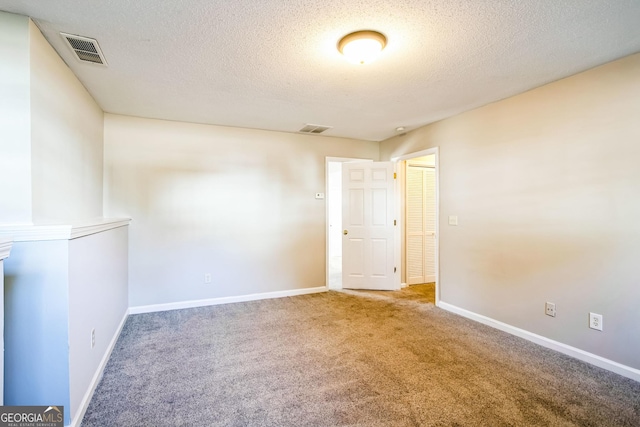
(429,160)
(546,186)
(236,203)
(66,139)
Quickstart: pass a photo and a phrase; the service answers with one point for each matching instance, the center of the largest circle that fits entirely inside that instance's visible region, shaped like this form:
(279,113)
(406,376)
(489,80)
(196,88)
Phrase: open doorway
(334,219)
(418,211)
(420,220)
(420,226)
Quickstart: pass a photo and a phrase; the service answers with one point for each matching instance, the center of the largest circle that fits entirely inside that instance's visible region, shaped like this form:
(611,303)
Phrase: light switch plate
(453,220)
(319,195)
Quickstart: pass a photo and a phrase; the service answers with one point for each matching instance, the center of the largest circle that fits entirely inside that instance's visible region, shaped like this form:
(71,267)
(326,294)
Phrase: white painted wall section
(51,133)
(15,116)
(66,139)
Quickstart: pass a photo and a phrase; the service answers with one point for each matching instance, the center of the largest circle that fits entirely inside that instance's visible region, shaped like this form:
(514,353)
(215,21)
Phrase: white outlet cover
(453,220)
(319,195)
(595,321)
(550,309)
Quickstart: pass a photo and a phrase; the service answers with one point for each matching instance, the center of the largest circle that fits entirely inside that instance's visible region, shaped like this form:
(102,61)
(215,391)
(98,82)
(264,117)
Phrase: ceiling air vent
(86,49)
(315,129)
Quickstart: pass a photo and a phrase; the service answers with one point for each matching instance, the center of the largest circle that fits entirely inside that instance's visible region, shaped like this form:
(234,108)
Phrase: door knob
(345,232)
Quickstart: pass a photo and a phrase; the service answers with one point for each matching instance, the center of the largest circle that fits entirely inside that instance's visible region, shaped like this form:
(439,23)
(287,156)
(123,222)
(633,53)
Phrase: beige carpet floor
(346,359)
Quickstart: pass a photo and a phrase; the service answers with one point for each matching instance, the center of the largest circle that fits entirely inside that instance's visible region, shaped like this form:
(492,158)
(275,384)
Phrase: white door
(368,226)
(420,224)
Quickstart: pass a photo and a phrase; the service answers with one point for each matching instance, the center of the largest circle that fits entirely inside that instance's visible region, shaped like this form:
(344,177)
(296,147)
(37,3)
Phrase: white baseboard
(98,375)
(403,285)
(601,362)
(223,300)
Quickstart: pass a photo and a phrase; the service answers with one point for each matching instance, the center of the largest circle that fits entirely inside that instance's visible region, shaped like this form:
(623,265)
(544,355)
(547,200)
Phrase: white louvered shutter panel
(430,225)
(415,225)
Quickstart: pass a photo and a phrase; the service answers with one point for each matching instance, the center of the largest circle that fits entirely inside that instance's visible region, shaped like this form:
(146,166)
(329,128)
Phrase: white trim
(31,233)
(223,300)
(437,278)
(403,285)
(103,224)
(421,153)
(397,232)
(98,374)
(610,365)
(5,248)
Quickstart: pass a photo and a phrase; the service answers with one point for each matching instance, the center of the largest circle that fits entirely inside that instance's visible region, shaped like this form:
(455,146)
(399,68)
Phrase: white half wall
(36,325)
(98,301)
(237,204)
(545,186)
(62,282)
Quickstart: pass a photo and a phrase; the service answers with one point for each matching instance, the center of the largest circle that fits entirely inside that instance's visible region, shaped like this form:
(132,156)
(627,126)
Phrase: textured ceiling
(273,64)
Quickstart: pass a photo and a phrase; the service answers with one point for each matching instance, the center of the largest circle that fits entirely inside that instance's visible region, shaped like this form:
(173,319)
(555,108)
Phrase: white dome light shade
(362,47)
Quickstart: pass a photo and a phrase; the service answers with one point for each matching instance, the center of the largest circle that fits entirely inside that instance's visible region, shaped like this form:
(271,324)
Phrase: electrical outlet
(595,321)
(93,338)
(207,278)
(550,309)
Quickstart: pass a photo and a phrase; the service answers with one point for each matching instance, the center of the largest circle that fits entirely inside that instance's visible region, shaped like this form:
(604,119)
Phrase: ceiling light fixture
(362,47)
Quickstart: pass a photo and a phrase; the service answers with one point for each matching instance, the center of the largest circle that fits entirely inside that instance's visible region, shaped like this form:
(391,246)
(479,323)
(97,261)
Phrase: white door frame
(401,220)
(326,187)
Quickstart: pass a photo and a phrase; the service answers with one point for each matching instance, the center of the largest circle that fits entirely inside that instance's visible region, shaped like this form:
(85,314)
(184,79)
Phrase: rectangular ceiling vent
(86,49)
(315,129)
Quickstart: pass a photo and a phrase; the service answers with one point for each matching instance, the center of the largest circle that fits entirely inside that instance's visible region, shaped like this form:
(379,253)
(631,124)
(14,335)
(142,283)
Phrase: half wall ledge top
(39,232)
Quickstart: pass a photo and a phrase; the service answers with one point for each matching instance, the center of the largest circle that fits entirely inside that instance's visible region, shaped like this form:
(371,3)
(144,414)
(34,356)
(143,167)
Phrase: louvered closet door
(415,225)
(420,225)
(430,225)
